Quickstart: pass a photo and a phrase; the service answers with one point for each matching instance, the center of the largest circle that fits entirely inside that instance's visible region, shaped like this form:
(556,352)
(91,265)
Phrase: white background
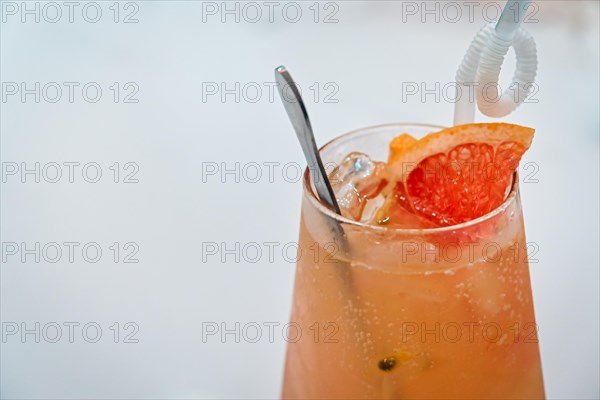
(172,133)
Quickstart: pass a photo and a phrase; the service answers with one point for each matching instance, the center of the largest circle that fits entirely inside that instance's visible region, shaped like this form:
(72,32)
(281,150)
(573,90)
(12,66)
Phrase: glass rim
(308,191)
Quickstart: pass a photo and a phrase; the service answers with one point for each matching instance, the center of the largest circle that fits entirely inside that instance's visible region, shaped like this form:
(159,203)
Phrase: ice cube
(355,181)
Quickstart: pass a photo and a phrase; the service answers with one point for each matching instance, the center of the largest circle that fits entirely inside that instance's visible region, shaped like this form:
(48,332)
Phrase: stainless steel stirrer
(296,111)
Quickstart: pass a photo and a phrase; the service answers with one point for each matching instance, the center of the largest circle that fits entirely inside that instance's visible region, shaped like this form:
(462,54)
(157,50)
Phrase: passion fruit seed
(387,364)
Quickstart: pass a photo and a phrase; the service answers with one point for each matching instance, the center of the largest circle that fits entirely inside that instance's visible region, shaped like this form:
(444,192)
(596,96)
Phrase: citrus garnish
(457,174)
(400,145)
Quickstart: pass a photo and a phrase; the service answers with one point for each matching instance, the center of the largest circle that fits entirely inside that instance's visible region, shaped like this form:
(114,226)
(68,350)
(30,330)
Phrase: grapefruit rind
(423,182)
(406,153)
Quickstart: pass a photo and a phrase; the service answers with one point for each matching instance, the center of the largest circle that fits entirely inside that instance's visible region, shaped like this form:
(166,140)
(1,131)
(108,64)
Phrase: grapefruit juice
(415,312)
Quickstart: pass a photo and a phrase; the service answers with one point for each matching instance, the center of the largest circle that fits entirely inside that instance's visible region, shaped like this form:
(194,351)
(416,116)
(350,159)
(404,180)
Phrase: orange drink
(395,303)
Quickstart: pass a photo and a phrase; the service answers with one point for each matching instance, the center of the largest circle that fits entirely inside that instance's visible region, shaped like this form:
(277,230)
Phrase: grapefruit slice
(399,146)
(457,174)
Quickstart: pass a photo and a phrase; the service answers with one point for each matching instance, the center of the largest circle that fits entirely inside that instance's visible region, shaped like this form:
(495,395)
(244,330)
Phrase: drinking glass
(410,313)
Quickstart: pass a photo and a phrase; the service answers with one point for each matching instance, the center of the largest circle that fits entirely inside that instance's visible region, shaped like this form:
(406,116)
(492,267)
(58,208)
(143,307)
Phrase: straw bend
(481,68)
(489,72)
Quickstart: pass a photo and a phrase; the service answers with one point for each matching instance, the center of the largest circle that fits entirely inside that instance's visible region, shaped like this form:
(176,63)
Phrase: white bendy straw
(480,68)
